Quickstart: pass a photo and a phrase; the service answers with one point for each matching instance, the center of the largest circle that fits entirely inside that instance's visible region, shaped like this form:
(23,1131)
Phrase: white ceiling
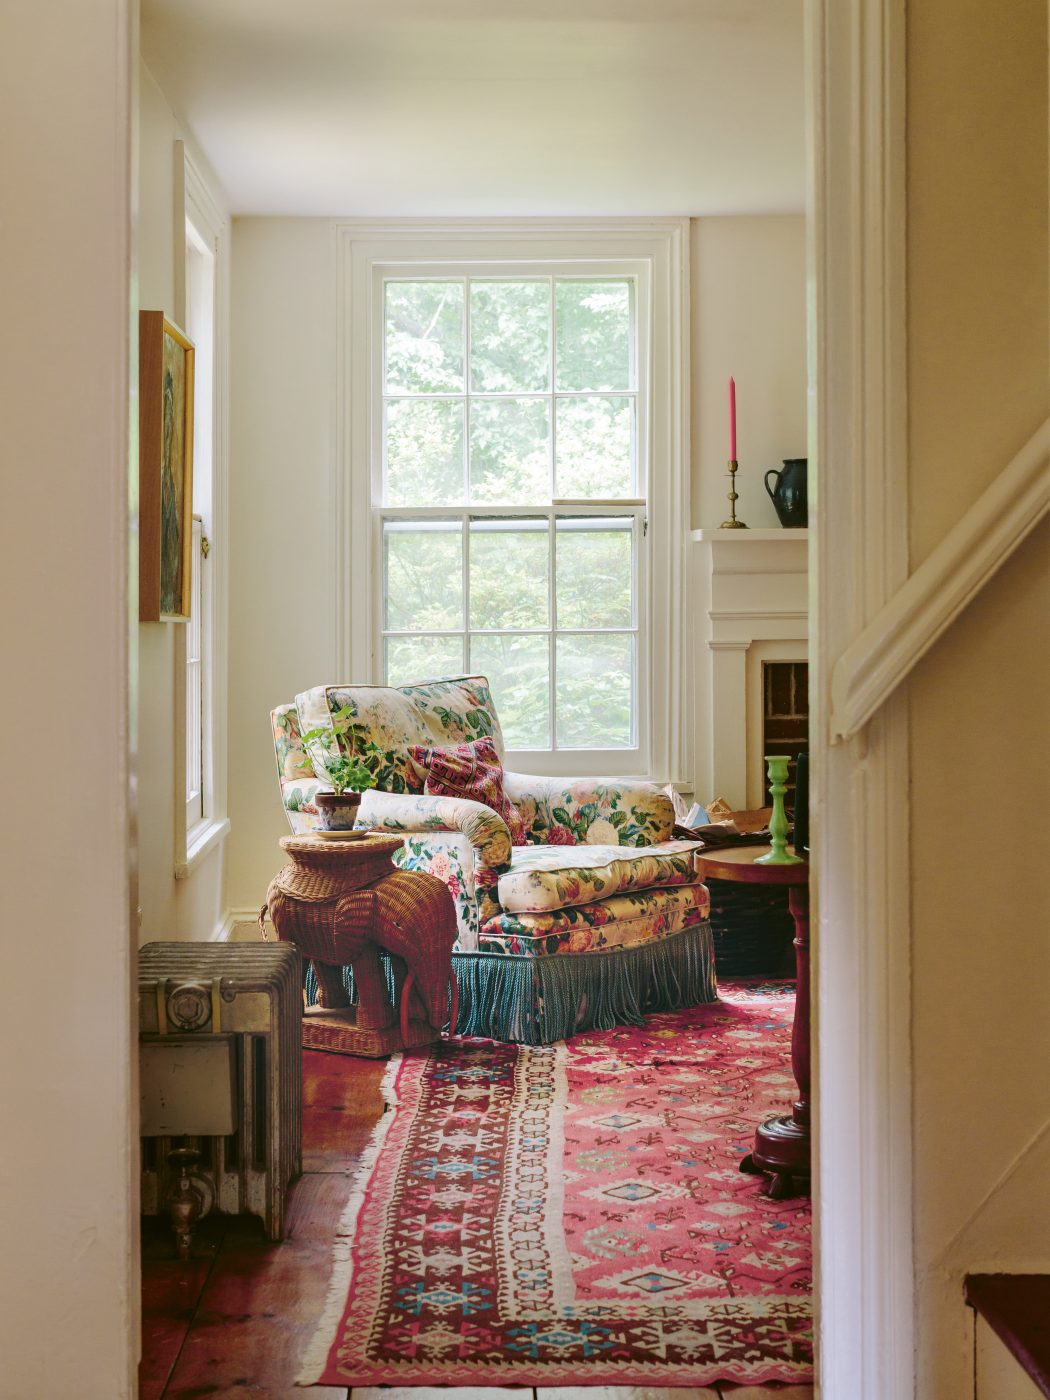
(489,107)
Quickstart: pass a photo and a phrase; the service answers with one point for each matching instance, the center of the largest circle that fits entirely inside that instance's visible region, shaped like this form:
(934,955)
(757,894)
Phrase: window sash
(201,315)
(552,395)
(552,757)
(195,683)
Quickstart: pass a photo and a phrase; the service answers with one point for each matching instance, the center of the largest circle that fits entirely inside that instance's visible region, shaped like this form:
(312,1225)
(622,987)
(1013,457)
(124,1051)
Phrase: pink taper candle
(732,419)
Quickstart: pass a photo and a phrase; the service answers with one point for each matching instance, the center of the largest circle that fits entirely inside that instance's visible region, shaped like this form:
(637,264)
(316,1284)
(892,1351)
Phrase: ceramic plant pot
(789,494)
(337,811)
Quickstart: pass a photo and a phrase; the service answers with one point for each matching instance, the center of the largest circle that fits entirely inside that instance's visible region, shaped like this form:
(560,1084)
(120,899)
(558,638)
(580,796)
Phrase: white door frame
(858,558)
(861,870)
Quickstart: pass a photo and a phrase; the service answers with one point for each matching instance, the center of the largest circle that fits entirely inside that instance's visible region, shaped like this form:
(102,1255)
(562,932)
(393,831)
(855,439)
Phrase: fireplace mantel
(750,594)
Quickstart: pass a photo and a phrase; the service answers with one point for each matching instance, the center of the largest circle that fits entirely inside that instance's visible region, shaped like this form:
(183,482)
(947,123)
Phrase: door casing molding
(856,207)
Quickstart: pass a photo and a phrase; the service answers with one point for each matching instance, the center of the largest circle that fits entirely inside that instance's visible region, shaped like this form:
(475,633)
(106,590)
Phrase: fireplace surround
(750,611)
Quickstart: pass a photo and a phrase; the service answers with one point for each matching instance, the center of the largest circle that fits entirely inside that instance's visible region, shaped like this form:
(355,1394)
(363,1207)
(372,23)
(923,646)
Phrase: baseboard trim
(234,920)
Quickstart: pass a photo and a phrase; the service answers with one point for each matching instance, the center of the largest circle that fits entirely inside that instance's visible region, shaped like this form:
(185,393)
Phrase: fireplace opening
(785,718)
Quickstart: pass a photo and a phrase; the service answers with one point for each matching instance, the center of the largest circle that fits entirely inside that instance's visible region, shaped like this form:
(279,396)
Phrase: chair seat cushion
(544,878)
(624,921)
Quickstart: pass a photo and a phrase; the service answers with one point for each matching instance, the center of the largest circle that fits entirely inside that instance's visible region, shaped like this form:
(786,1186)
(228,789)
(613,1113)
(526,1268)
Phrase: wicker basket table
(341,902)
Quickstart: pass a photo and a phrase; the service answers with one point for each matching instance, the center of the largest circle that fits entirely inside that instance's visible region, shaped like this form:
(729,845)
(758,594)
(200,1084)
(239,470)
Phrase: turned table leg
(782,1145)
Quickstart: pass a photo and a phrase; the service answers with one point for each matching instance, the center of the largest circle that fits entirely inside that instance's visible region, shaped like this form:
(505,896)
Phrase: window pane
(594,454)
(594,573)
(413,659)
(594,335)
(508,574)
(518,669)
(595,691)
(424,452)
(510,451)
(424,576)
(510,333)
(424,337)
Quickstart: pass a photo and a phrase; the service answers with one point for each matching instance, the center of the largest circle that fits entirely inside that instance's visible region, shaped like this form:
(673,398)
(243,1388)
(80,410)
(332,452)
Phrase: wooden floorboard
(171,1289)
(341,1106)
(261,1303)
(258,1304)
(767,1392)
(625,1392)
(422,1392)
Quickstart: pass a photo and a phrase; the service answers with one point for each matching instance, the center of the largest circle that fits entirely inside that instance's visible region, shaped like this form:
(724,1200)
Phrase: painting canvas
(165,468)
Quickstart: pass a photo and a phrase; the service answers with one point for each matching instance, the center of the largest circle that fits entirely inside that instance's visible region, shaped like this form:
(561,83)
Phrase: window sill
(203,839)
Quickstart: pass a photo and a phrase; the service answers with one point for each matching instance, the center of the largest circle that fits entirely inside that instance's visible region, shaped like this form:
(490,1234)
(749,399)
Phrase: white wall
(68,1170)
(193,907)
(283,411)
(282,599)
(978,383)
(749,321)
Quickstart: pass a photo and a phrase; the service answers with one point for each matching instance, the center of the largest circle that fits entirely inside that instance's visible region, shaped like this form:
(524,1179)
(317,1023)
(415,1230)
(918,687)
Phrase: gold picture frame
(165,469)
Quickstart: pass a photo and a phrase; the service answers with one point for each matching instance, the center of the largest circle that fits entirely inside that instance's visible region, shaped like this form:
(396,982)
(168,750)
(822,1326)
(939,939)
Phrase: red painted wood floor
(235,1318)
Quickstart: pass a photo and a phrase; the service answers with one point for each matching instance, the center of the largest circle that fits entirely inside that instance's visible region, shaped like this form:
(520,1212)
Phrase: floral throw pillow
(472,770)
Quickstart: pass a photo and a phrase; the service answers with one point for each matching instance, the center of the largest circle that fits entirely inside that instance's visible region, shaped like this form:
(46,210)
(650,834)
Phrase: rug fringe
(315,1358)
(540,1000)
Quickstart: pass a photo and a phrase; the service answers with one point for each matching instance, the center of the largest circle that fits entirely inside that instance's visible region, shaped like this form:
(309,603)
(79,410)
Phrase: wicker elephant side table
(343,901)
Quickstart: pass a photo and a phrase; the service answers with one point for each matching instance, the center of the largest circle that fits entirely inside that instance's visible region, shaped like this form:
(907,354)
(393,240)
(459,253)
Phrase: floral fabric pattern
(299,805)
(485,829)
(591,811)
(623,921)
(294,771)
(451,857)
(473,771)
(392,718)
(543,878)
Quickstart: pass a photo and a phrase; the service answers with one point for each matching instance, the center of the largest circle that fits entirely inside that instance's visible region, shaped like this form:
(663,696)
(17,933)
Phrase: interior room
(611,443)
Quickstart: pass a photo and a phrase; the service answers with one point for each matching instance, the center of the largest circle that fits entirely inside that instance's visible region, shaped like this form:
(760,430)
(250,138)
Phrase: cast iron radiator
(220,1047)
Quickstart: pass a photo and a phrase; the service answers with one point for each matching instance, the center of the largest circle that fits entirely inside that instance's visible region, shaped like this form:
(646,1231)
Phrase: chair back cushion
(388,720)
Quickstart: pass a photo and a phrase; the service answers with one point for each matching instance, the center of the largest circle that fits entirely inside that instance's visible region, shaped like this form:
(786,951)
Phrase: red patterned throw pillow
(472,770)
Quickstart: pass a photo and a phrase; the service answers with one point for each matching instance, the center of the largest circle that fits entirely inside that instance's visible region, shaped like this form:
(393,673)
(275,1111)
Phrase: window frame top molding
(365,247)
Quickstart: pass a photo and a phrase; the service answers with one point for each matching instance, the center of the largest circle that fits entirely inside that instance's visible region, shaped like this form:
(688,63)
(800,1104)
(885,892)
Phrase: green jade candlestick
(777,767)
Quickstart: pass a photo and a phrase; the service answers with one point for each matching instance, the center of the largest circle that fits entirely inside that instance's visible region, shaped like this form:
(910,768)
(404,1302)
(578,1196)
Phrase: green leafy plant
(344,770)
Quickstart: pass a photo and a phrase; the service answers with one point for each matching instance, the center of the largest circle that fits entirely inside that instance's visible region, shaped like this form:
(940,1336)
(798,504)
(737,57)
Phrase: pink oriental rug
(575,1214)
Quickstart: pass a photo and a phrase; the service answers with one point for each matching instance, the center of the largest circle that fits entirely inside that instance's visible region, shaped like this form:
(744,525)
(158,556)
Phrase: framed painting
(165,469)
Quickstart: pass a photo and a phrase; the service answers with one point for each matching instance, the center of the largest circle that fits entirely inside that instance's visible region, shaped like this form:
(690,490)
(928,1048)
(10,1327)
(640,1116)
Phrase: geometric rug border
(401,1088)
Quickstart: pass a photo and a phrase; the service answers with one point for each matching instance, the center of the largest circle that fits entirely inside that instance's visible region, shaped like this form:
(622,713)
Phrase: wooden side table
(343,901)
(782,1144)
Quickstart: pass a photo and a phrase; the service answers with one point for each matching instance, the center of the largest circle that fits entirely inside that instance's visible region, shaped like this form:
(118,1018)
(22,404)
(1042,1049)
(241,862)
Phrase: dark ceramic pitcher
(789,495)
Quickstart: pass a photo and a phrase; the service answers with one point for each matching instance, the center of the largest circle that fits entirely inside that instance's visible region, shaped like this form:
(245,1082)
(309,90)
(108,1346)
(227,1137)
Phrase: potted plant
(349,777)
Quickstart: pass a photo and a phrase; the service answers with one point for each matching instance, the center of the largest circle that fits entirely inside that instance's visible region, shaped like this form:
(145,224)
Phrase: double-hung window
(508,468)
(200,699)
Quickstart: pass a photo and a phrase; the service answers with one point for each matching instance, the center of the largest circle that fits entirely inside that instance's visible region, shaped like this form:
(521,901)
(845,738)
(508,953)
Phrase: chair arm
(598,811)
(485,829)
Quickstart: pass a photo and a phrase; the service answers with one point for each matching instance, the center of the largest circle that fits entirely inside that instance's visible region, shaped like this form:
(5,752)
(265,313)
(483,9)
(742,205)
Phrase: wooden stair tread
(1017,1308)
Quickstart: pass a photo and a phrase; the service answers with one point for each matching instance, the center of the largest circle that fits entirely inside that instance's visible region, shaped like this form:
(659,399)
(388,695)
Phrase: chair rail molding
(857,349)
(873,665)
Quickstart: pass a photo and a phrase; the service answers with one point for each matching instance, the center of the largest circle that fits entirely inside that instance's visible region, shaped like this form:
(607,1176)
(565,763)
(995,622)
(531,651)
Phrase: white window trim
(362,247)
(194,200)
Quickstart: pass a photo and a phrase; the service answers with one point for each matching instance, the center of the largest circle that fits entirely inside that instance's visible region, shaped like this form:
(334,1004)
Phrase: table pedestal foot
(782,1151)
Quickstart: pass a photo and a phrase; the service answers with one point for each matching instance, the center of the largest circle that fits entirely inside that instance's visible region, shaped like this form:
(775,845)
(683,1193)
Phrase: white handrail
(874,664)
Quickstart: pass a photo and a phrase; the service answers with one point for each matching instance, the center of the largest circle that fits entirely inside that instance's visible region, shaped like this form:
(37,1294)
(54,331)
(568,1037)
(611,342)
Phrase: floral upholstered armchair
(599,917)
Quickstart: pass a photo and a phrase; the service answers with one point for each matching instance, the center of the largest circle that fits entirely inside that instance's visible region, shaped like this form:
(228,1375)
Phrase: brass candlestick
(732,523)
